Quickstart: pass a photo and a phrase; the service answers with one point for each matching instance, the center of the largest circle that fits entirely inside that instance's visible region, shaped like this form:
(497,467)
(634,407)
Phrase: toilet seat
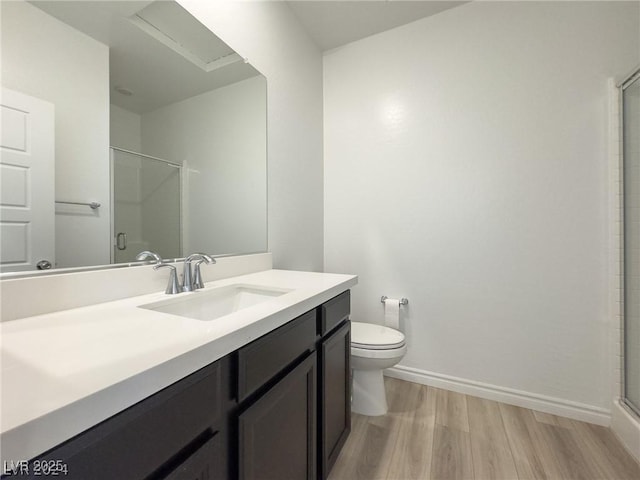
(369,336)
(394,354)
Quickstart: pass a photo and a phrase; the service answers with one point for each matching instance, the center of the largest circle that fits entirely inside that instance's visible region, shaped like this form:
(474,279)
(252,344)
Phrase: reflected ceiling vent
(174,27)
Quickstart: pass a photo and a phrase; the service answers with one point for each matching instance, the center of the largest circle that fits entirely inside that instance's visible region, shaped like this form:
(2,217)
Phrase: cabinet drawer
(139,440)
(264,358)
(334,311)
(203,464)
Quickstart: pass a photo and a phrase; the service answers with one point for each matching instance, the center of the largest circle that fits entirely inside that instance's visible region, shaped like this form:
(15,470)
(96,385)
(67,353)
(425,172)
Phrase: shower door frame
(626,82)
(112,225)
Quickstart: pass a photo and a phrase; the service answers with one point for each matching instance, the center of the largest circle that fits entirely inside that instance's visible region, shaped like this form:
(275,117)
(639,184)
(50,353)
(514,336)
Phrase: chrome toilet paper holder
(403,301)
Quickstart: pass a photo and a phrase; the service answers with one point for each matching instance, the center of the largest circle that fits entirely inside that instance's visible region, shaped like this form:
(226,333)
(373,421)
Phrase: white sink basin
(216,303)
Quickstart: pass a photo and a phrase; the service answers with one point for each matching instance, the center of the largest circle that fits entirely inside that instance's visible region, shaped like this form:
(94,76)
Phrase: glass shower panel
(146,206)
(631,151)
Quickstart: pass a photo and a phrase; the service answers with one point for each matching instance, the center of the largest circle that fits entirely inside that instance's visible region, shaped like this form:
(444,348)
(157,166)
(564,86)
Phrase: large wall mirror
(126,126)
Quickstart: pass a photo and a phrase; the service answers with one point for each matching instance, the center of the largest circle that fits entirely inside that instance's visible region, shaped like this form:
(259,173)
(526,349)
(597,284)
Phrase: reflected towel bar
(93,205)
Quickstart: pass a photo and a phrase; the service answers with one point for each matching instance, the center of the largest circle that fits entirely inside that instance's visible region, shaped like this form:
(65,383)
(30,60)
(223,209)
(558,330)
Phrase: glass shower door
(146,206)
(631,155)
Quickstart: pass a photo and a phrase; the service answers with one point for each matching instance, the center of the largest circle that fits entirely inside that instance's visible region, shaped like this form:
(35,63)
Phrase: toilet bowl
(373,348)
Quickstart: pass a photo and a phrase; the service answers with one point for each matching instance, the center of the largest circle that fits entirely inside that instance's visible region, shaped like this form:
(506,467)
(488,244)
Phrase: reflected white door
(27,158)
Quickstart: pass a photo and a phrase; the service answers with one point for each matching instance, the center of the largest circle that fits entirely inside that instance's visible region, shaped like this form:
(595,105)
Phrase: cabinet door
(335,396)
(277,434)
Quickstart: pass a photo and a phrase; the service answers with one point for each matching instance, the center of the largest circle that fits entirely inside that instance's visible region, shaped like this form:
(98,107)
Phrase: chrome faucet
(189,283)
(146,254)
(173,286)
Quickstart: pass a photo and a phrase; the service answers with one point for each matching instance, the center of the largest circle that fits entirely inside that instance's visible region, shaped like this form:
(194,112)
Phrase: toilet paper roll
(392,313)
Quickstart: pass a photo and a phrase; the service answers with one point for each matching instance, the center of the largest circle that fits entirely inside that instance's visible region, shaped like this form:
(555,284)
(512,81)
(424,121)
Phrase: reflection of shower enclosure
(631,158)
(146,206)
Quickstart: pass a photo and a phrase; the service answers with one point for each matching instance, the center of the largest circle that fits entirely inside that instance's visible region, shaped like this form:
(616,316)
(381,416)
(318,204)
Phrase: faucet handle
(197,275)
(147,253)
(173,286)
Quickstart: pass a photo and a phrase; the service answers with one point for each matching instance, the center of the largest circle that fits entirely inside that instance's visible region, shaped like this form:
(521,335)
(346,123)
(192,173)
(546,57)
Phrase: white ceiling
(335,23)
(156,73)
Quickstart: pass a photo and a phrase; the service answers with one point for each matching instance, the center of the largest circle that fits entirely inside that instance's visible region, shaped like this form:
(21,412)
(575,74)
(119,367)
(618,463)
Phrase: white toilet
(373,348)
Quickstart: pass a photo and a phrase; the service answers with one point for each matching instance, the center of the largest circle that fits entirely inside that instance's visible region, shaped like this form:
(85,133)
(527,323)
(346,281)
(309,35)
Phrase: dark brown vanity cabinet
(179,432)
(334,392)
(277,408)
(277,384)
(295,423)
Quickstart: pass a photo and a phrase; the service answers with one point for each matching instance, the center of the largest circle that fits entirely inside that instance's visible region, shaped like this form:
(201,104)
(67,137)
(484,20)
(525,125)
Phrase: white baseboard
(533,401)
(627,428)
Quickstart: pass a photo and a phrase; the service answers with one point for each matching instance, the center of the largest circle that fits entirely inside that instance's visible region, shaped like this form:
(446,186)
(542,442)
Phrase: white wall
(125,129)
(220,138)
(466,169)
(269,35)
(46,59)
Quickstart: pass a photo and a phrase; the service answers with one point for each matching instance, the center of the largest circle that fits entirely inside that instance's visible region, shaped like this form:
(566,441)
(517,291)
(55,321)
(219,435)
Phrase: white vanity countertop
(67,371)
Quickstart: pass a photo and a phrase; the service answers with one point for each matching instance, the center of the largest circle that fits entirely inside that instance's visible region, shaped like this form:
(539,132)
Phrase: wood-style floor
(431,433)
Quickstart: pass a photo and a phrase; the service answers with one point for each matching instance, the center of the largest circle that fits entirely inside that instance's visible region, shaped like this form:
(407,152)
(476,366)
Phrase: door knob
(44,265)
